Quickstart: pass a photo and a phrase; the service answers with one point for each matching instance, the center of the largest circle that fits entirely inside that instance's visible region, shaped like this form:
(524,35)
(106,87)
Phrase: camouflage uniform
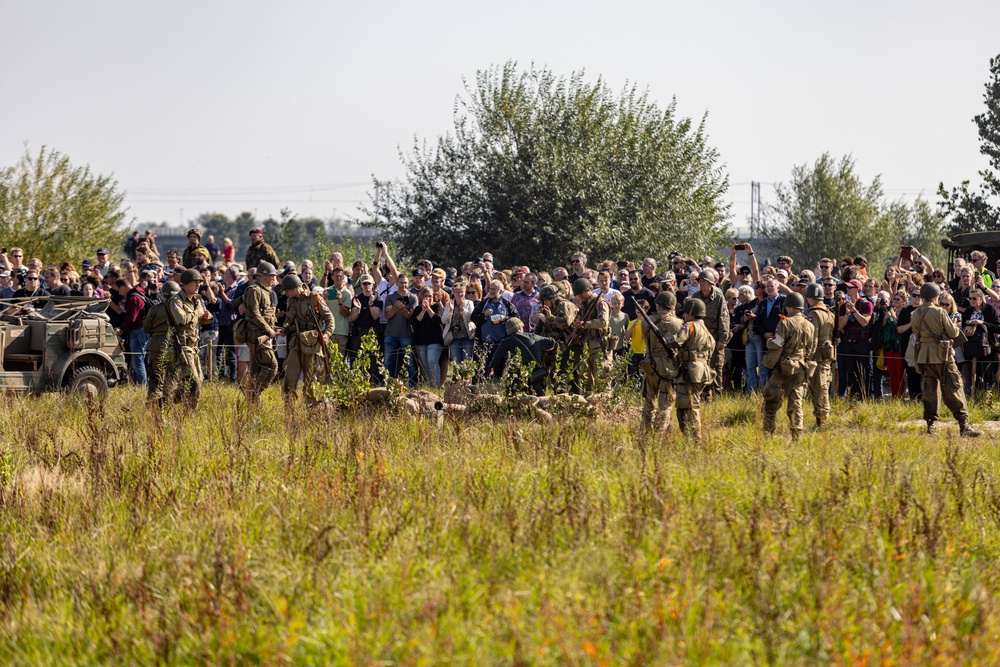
(934,358)
(658,371)
(717,323)
(557,327)
(183,378)
(260,252)
(791,352)
(305,356)
(260,319)
(593,341)
(694,345)
(825,323)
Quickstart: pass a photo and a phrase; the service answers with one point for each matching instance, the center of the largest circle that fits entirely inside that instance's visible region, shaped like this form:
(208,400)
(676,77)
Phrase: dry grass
(232,536)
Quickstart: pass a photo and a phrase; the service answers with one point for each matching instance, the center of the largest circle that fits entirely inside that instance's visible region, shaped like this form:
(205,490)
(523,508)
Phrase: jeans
(430,359)
(395,352)
(227,353)
(462,349)
(757,373)
(137,341)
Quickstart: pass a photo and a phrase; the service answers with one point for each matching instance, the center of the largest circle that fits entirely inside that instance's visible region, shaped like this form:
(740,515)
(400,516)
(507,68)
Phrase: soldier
(789,356)
(825,323)
(592,333)
(308,325)
(157,326)
(186,314)
(694,345)
(553,320)
(190,259)
(530,347)
(261,326)
(717,323)
(934,359)
(259,251)
(658,368)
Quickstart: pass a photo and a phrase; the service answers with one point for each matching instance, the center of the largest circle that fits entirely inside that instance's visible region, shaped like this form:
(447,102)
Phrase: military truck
(961,245)
(59,343)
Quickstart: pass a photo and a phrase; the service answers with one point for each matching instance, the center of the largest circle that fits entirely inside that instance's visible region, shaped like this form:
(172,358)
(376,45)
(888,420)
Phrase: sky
(257,106)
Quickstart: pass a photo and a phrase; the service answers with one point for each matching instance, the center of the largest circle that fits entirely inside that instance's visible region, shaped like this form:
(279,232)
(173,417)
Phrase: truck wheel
(90,381)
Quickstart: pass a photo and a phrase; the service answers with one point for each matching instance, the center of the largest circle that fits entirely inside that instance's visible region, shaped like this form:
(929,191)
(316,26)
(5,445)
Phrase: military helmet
(581,285)
(266,269)
(291,282)
(695,308)
(929,291)
(708,275)
(795,300)
(666,298)
(191,275)
(814,291)
(169,289)
(550,291)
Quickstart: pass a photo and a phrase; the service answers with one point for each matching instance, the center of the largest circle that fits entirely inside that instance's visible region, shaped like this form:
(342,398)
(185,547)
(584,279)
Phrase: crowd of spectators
(427,318)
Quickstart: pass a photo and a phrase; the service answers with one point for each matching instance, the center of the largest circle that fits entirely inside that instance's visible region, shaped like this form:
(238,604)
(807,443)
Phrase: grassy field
(228,537)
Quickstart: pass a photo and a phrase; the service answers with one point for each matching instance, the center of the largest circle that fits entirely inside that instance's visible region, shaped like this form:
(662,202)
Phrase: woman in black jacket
(980,326)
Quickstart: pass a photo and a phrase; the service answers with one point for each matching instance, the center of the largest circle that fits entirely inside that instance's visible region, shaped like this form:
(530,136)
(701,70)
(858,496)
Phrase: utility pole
(754,209)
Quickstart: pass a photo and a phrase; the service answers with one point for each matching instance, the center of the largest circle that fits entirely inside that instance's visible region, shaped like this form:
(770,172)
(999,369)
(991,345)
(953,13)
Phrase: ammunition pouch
(310,342)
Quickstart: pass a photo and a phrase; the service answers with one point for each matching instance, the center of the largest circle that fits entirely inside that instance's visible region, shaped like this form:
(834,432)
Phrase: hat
(745,271)
(439,273)
(794,300)
(291,282)
(521,270)
(856,284)
(257,231)
(418,272)
(548,292)
(102,251)
(581,285)
(673,253)
(708,275)
(781,272)
(512,325)
(195,231)
(4,274)
(266,269)
(366,279)
(784,258)
(191,275)
(86,262)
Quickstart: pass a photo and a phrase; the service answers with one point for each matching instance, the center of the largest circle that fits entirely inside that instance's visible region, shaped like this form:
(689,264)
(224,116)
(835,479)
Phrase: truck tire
(90,381)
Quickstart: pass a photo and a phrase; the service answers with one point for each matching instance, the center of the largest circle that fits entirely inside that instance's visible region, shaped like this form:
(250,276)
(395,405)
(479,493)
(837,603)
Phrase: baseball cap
(418,272)
(257,231)
(439,273)
(511,325)
(856,284)
(102,251)
(86,262)
(781,272)
(366,279)
(4,274)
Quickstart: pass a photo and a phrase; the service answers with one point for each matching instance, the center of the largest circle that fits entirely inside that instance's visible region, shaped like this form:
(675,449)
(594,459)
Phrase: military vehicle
(961,245)
(58,343)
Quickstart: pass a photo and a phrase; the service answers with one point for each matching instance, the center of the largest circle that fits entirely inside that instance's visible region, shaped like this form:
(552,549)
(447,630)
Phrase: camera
(380,244)
(740,246)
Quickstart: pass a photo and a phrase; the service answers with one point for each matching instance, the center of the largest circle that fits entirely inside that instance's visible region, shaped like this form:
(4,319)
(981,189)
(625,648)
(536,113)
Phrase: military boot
(966,430)
(931,425)
(820,422)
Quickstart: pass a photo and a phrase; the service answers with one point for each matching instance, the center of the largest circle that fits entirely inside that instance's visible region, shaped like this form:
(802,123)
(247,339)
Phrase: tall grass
(233,535)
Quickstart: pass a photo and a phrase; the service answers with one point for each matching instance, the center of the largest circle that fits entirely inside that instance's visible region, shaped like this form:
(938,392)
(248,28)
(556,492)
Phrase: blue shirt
(494,332)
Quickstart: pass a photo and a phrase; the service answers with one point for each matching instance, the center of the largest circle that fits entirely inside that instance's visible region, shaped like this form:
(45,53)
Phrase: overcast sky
(252,105)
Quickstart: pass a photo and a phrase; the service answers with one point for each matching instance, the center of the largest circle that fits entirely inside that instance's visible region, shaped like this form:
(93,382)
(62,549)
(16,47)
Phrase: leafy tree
(971,210)
(541,166)
(57,211)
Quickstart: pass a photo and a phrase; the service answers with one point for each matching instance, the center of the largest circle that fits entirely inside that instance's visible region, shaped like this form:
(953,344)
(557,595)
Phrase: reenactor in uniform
(717,323)
(259,251)
(529,347)
(934,358)
(262,323)
(308,326)
(186,314)
(553,320)
(190,260)
(825,324)
(694,345)
(658,368)
(592,334)
(157,326)
(789,354)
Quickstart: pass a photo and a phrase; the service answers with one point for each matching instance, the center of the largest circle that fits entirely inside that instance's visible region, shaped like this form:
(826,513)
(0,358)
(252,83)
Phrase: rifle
(326,356)
(576,335)
(671,353)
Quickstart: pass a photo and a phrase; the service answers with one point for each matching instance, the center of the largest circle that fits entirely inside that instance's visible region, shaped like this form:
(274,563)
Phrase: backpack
(146,303)
(240,331)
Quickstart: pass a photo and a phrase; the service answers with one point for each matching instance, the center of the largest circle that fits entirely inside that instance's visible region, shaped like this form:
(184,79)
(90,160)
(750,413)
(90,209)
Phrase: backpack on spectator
(145,303)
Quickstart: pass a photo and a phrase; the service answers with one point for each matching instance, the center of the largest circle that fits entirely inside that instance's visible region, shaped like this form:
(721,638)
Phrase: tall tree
(826,210)
(540,166)
(57,211)
(968,209)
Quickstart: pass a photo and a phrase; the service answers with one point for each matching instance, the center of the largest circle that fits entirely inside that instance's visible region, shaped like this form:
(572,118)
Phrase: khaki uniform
(934,359)
(658,371)
(261,317)
(791,352)
(825,323)
(157,326)
(261,252)
(557,327)
(182,374)
(694,345)
(717,322)
(189,260)
(305,346)
(593,341)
